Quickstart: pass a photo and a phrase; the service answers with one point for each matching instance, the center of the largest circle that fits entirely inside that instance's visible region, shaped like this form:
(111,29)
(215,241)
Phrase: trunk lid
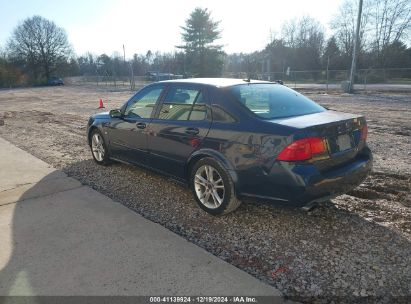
(341,131)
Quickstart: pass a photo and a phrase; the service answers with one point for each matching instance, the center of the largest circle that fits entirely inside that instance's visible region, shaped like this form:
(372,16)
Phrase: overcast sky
(102,26)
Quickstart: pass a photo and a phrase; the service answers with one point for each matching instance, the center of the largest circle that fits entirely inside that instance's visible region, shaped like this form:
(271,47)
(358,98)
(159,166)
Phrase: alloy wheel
(209,186)
(97,146)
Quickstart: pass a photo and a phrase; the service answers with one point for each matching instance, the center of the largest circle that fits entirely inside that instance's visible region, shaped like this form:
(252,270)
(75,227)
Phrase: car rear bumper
(301,184)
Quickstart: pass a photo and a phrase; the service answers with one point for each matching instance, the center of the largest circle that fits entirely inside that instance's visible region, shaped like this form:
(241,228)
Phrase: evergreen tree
(203,57)
(332,54)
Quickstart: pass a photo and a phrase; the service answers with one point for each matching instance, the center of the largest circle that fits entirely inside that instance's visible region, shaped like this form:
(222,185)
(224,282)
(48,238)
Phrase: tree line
(301,44)
(38,48)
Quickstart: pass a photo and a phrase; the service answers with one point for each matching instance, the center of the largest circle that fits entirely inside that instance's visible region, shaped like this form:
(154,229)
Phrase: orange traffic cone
(101,106)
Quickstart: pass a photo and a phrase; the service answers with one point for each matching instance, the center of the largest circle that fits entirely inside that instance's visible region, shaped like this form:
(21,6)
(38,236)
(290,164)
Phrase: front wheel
(213,187)
(99,148)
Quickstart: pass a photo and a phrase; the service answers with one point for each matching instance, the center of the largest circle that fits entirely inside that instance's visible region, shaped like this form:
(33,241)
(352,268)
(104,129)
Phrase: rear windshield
(271,101)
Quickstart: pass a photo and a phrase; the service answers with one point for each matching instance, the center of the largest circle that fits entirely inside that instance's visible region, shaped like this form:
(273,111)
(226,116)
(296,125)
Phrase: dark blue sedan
(230,138)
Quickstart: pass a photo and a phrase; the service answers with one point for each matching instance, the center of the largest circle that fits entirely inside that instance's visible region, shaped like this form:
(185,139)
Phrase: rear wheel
(98,148)
(213,187)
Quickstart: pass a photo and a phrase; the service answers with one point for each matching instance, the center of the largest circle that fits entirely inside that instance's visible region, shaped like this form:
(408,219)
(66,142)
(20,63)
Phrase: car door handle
(192,131)
(141,125)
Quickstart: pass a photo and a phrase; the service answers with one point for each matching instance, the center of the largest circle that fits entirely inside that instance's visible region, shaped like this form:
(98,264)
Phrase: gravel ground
(355,246)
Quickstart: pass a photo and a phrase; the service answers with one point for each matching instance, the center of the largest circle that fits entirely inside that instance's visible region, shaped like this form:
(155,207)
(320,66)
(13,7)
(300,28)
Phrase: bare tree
(40,45)
(344,23)
(305,37)
(289,33)
(391,20)
(383,23)
(303,32)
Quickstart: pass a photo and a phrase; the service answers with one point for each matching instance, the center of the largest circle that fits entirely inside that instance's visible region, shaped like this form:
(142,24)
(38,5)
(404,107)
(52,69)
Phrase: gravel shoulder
(357,245)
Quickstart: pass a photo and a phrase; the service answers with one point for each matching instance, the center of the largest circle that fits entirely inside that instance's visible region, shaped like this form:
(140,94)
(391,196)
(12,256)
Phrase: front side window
(142,105)
(272,101)
(183,104)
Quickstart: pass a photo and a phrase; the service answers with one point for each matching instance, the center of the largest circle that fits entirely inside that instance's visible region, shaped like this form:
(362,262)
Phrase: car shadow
(59,238)
(29,267)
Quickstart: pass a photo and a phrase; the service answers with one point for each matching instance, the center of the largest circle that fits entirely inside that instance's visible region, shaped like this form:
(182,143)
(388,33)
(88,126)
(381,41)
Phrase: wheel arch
(200,154)
(90,131)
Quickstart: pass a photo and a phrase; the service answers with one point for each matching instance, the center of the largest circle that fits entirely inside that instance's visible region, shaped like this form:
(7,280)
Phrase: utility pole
(124,57)
(354,54)
(132,82)
(328,63)
(132,85)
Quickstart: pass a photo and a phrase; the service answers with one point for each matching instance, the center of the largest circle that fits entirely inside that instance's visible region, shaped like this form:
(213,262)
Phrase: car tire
(98,148)
(213,187)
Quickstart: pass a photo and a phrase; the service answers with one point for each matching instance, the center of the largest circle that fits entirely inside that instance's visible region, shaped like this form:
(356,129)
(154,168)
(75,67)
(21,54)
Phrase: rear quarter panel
(249,145)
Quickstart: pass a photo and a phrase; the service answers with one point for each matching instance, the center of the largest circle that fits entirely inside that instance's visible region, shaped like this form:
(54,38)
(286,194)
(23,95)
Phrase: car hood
(102,115)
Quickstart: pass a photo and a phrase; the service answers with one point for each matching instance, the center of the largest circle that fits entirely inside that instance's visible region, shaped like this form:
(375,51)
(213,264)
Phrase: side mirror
(116,113)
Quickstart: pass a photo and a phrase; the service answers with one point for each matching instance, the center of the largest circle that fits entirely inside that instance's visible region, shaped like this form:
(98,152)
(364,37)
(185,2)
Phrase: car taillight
(303,149)
(364,133)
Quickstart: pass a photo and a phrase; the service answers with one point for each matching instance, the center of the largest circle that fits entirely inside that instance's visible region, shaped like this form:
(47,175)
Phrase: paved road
(394,88)
(59,237)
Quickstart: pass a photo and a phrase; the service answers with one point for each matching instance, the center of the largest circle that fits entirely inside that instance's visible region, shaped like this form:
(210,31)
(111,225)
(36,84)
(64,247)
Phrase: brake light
(364,133)
(303,149)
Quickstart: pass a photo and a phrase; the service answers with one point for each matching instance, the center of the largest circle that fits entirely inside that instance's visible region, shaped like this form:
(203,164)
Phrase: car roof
(216,82)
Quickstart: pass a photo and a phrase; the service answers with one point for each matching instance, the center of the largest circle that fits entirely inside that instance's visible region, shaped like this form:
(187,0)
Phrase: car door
(178,128)
(128,134)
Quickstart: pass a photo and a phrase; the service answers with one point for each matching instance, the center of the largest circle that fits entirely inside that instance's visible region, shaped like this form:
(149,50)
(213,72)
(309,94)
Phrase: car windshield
(272,101)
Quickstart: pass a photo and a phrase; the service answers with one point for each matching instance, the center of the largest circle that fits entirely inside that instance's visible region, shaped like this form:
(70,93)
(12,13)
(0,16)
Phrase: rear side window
(271,101)
(183,104)
(221,115)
